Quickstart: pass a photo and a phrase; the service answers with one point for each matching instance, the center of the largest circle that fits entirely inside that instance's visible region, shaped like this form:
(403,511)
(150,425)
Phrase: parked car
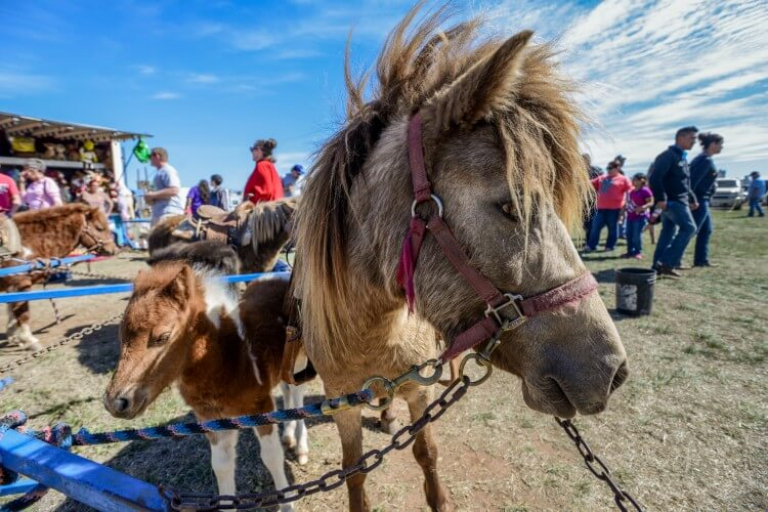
(729,194)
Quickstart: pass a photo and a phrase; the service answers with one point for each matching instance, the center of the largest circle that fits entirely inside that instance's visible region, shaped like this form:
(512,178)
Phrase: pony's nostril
(121,404)
(621,375)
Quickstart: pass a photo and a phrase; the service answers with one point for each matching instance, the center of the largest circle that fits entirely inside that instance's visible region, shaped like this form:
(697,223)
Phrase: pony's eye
(509,210)
(160,340)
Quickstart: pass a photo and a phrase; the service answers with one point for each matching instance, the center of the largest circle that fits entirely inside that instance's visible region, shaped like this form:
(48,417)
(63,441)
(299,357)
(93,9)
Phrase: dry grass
(688,431)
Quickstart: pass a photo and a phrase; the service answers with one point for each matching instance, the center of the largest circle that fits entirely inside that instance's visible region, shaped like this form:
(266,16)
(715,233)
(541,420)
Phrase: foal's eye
(160,340)
(509,210)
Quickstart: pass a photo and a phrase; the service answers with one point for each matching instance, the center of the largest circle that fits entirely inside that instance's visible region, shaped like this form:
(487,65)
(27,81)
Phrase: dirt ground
(688,431)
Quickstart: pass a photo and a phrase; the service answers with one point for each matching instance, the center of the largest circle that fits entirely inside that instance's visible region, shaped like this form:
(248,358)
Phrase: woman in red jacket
(264,184)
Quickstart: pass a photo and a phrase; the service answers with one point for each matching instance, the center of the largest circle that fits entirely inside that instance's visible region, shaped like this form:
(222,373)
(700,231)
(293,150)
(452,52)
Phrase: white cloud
(203,78)
(165,95)
(17,83)
(144,69)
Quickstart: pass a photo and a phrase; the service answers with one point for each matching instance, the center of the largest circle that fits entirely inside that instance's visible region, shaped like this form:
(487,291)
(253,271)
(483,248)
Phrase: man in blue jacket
(671,186)
(756,193)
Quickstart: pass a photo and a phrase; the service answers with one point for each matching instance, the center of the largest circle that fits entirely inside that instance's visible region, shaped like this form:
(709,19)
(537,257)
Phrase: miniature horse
(183,324)
(52,233)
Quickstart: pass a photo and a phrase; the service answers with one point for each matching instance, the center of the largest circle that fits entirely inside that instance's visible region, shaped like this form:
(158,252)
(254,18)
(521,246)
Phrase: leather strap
(497,302)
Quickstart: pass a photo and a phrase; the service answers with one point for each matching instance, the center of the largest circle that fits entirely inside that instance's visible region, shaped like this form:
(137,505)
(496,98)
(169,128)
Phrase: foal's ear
(482,88)
(179,287)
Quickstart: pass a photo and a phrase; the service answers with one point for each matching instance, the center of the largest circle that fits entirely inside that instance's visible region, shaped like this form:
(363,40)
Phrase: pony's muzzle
(126,405)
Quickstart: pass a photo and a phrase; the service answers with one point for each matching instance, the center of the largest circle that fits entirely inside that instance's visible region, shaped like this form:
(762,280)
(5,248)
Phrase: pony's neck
(54,238)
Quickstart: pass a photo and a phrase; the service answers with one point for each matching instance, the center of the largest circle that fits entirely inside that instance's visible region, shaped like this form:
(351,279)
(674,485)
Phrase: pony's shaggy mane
(537,126)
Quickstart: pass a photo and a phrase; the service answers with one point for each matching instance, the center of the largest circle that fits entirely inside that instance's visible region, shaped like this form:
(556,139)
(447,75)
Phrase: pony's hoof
(303,458)
(286,508)
(289,441)
(33,346)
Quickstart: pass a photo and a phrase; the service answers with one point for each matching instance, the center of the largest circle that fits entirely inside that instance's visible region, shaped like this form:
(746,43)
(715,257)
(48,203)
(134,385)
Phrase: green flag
(141,151)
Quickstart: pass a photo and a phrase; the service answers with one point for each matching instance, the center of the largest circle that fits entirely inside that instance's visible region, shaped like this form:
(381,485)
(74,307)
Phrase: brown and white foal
(183,324)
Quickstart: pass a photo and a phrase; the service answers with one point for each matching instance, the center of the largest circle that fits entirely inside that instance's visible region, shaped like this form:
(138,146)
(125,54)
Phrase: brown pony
(183,324)
(52,233)
(258,243)
(500,139)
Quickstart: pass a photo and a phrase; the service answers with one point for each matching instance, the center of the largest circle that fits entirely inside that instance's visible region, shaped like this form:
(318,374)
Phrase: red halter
(522,308)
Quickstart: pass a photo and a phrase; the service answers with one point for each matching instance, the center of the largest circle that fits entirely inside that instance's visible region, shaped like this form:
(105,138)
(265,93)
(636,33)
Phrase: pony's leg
(289,430)
(350,425)
(302,450)
(223,459)
(388,421)
(21,313)
(13,324)
(425,452)
(273,457)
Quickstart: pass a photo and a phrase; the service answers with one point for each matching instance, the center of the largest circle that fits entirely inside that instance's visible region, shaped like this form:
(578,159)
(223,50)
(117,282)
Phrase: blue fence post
(80,479)
(20,486)
(34,265)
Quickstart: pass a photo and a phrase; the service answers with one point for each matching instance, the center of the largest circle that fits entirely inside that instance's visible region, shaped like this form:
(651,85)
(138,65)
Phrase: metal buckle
(434,198)
(507,324)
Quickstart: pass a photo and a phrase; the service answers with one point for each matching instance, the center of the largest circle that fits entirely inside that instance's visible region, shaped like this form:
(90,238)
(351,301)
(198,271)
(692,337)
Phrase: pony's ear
(180,286)
(484,87)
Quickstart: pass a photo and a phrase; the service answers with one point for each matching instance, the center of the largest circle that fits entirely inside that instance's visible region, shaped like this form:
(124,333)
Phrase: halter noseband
(86,230)
(496,302)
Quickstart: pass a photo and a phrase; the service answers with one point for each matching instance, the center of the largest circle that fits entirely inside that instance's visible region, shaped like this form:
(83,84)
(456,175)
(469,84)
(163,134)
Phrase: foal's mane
(537,127)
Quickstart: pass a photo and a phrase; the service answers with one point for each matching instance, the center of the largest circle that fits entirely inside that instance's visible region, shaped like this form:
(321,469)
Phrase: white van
(729,194)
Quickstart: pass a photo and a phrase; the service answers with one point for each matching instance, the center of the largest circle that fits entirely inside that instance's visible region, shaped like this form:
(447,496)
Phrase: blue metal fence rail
(41,265)
(115,288)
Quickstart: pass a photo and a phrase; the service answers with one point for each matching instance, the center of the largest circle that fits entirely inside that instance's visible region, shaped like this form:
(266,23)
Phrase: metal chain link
(72,337)
(98,275)
(329,481)
(602,472)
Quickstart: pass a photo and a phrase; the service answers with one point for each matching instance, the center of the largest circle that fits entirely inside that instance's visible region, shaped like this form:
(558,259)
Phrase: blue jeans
(703,219)
(677,228)
(635,235)
(609,218)
(754,204)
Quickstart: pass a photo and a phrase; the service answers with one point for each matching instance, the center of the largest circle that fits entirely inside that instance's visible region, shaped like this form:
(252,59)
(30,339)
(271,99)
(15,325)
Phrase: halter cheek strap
(499,306)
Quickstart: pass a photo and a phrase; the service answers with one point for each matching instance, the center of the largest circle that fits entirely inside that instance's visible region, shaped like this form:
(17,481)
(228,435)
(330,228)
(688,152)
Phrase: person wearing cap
(293,181)
(38,191)
(612,189)
(219,194)
(671,186)
(10,199)
(755,194)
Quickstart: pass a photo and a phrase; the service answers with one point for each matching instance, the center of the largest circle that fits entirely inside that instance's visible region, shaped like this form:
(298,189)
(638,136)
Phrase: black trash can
(634,291)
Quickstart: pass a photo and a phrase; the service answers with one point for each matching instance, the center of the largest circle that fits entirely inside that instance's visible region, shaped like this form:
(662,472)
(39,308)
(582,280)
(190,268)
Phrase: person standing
(40,191)
(589,215)
(704,183)
(671,186)
(755,194)
(638,211)
(264,183)
(10,199)
(165,199)
(94,195)
(293,181)
(219,194)
(197,196)
(612,191)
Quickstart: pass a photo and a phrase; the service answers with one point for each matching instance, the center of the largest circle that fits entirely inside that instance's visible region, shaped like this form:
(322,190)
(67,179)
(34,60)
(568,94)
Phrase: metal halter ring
(388,386)
(479,361)
(434,198)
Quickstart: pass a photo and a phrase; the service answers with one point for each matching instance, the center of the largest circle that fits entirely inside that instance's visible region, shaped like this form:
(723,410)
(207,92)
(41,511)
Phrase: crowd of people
(672,193)
(263,184)
(34,189)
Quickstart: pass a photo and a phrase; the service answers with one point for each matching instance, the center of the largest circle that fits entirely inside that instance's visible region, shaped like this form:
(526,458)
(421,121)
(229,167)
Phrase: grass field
(688,431)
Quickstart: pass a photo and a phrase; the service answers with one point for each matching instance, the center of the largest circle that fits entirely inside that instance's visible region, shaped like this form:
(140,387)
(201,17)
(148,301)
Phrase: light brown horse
(186,326)
(499,138)
(52,233)
(258,241)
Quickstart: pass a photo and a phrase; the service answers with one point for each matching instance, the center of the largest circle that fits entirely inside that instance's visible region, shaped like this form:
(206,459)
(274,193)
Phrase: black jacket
(703,177)
(670,179)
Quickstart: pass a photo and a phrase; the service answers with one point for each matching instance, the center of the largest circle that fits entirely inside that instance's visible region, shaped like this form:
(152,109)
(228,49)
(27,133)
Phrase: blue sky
(207,78)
